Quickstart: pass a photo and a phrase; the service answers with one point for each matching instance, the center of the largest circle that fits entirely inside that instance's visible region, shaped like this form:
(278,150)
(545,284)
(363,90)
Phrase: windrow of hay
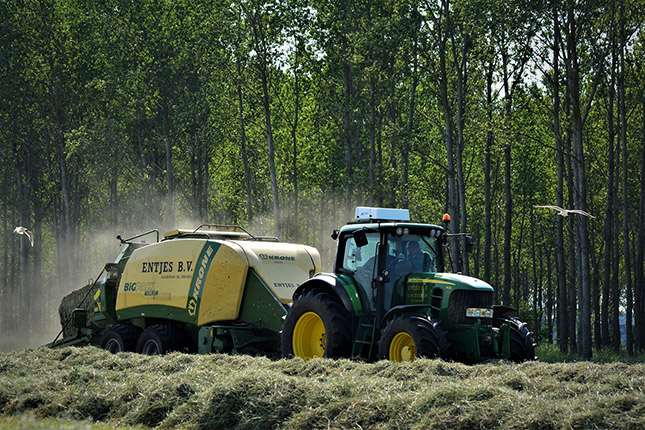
(240,392)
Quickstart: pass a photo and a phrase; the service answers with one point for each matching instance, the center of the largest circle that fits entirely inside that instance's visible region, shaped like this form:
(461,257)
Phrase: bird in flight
(23,230)
(566,212)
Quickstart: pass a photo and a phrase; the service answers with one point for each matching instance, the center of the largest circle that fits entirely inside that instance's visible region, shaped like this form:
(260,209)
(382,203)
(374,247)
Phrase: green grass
(88,385)
(550,353)
(28,421)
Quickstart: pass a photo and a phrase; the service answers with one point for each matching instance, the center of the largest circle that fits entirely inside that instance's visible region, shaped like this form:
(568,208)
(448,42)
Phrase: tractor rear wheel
(409,336)
(317,325)
(160,339)
(120,338)
(522,345)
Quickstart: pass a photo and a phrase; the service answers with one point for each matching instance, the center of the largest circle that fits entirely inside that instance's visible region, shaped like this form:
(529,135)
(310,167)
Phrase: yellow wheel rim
(402,348)
(309,336)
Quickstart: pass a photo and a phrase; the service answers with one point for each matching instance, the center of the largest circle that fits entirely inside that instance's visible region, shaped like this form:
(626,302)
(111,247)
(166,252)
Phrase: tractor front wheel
(409,336)
(120,338)
(317,325)
(522,345)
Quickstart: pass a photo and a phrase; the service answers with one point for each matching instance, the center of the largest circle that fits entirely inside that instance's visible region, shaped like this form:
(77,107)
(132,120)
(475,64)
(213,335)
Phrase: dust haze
(31,319)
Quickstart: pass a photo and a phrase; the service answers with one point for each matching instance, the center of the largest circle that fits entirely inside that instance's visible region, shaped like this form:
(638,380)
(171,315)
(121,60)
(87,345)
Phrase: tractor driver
(420,261)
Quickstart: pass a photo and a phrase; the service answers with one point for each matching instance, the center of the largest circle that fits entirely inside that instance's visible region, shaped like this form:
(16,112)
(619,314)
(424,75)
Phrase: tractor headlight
(479,312)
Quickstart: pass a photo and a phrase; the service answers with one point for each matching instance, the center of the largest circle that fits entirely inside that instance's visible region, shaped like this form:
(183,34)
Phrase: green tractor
(389,298)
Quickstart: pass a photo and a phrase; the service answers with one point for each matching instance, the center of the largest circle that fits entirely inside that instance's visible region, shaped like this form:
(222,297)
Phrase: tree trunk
(580,194)
(259,42)
(461,183)
(609,210)
(170,209)
(639,309)
(372,134)
(23,199)
(405,152)
(487,173)
(536,294)
(549,297)
(453,202)
(615,270)
(347,133)
(508,198)
(245,158)
(562,314)
(114,196)
(269,135)
(626,227)
(595,295)
(572,293)
(294,138)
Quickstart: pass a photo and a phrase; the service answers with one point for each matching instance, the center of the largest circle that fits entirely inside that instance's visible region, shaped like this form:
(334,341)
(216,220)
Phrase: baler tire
(120,338)
(410,336)
(320,314)
(522,345)
(160,339)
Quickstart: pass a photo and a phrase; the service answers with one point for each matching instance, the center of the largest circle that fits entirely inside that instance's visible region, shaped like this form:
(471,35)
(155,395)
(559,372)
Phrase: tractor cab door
(359,261)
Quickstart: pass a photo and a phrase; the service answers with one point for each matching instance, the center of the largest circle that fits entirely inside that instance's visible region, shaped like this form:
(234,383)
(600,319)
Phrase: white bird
(566,212)
(23,230)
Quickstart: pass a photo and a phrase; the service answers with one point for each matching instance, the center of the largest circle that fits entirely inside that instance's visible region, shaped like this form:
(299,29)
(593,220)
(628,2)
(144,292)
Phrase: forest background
(120,116)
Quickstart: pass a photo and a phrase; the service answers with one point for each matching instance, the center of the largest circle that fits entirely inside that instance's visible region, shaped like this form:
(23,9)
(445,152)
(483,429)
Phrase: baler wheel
(317,325)
(160,339)
(120,338)
(409,336)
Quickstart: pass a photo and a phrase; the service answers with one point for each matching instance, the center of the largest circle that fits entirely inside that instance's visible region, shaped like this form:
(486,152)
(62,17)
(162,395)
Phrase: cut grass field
(87,388)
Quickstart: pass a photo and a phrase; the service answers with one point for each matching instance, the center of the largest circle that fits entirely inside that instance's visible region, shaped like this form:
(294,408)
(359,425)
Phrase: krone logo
(277,257)
(192,306)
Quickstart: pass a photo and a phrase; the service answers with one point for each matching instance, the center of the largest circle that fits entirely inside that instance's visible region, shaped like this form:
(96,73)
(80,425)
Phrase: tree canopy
(118,116)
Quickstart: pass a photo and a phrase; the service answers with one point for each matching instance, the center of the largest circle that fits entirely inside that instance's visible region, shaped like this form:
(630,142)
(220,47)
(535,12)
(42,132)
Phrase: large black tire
(408,336)
(120,338)
(160,339)
(317,325)
(522,345)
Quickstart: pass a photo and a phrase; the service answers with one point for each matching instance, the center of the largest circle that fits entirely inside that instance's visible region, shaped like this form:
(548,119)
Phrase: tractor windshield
(411,253)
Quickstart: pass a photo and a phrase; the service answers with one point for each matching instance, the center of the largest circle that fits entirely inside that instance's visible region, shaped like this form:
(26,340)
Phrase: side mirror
(360,238)
(469,244)
(334,234)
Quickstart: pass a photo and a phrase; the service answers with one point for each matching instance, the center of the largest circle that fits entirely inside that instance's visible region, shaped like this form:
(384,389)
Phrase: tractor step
(364,340)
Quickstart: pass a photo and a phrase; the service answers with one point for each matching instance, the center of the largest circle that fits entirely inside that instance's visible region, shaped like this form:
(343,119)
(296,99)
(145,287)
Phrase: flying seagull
(566,212)
(23,230)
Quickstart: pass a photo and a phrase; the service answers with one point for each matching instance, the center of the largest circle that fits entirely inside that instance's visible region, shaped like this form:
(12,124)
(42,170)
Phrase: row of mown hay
(244,392)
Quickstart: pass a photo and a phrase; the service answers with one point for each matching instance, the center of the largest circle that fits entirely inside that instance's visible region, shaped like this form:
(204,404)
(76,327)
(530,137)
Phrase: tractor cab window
(411,253)
(361,261)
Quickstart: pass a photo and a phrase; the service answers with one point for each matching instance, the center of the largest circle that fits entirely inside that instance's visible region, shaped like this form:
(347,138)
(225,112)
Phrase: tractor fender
(398,310)
(325,282)
(499,310)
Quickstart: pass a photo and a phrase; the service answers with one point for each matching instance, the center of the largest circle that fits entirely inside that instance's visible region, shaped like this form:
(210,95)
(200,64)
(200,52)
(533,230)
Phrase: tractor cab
(377,251)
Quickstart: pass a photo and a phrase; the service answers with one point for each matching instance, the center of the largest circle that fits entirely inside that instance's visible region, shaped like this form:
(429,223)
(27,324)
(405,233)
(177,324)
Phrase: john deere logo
(277,257)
